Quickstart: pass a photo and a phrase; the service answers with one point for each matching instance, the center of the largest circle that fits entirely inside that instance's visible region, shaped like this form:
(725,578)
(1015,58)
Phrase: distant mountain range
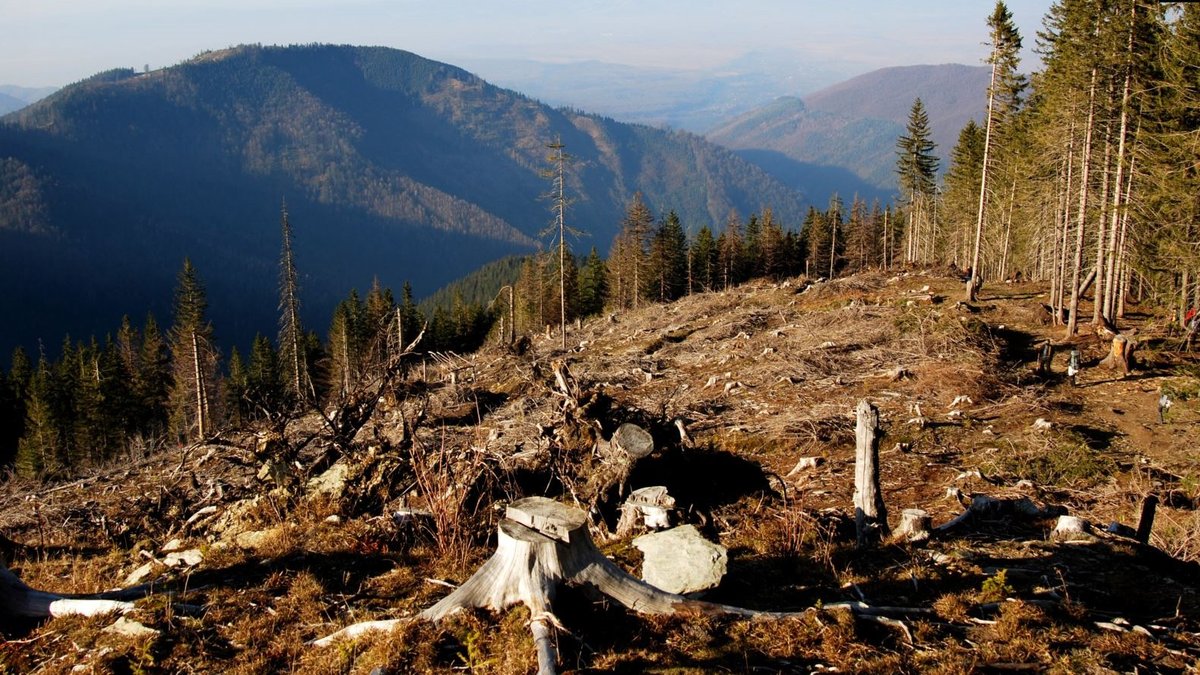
(853,127)
(392,166)
(13,97)
(695,99)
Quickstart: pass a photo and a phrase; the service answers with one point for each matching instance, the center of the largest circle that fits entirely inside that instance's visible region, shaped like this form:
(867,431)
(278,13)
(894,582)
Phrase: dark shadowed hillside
(392,166)
(854,125)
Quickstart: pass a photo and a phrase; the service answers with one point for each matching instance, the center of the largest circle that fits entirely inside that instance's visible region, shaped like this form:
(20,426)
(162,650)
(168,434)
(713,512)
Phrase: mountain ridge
(854,124)
(391,166)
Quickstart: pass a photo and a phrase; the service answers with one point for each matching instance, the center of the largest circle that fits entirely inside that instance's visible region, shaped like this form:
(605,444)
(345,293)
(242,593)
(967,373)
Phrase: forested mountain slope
(854,125)
(391,165)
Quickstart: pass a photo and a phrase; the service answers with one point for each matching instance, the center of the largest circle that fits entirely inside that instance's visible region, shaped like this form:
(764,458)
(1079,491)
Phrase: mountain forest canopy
(391,165)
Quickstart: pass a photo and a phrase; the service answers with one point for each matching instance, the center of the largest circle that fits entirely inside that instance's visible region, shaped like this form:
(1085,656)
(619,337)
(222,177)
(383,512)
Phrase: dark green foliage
(667,263)
(917,165)
(702,260)
(593,285)
(13,391)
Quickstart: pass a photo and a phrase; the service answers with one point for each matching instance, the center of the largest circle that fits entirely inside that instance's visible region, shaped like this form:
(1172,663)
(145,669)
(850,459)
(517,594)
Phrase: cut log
(870,514)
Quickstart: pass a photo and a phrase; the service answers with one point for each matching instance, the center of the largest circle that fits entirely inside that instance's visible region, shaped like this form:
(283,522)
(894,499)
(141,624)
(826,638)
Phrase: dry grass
(786,369)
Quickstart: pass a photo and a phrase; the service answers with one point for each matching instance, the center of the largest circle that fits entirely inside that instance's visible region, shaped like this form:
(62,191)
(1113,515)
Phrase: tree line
(1082,175)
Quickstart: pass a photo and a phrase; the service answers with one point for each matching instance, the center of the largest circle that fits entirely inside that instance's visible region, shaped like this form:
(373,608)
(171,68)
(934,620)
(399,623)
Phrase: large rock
(679,560)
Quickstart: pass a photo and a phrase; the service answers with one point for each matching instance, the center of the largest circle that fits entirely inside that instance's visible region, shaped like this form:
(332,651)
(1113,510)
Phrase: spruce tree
(667,263)
(593,285)
(703,256)
(193,360)
(917,168)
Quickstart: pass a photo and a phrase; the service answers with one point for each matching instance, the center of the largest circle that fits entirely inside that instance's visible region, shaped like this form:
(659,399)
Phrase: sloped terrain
(393,167)
(298,534)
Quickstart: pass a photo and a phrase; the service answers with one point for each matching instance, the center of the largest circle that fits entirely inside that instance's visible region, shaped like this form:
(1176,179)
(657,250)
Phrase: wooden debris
(684,439)
(1146,519)
(647,507)
(19,600)
(804,464)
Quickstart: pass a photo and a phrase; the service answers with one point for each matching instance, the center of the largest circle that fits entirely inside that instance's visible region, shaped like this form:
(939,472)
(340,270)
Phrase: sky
(56,42)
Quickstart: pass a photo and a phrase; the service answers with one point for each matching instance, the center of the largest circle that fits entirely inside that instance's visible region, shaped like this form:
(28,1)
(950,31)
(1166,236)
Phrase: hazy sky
(55,42)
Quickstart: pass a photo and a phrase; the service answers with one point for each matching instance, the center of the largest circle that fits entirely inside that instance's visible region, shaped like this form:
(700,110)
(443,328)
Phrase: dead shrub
(449,483)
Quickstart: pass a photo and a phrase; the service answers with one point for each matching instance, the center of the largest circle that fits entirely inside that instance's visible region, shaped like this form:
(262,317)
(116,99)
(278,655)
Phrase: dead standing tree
(870,514)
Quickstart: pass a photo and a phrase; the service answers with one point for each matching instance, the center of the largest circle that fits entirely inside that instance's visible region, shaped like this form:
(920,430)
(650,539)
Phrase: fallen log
(19,600)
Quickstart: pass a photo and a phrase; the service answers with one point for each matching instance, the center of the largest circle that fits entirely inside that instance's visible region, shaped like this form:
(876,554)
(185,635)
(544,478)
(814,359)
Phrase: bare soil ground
(760,376)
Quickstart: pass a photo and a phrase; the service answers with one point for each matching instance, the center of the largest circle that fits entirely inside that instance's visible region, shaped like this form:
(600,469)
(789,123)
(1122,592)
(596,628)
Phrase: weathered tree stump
(1045,356)
(529,565)
(542,544)
(646,508)
(1072,528)
(914,525)
(870,514)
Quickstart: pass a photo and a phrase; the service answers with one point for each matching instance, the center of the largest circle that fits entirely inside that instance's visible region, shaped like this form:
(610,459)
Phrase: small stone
(189,558)
(132,629)
(171,546)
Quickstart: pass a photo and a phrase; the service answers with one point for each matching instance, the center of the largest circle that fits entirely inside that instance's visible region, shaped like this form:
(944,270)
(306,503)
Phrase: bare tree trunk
(201,394)
(972,284)
(870,514)
(1081,216)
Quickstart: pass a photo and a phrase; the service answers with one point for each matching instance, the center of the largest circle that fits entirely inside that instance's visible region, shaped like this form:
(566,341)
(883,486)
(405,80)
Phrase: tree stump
(647,508)
(914,525)
(529,565)
(542,544)
(1072,528)
(1045,356)
(870,514)
(1120,355)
